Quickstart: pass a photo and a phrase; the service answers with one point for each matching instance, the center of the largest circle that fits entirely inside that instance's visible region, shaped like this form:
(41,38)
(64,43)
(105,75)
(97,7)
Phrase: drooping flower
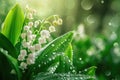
(30,16)
(45,34)
(32,48)
(31,58)
(37,46)
(23,65)
(23,35)
(42,40)
(59,21)
(22,55)
(52,29)
(30,24)
(36,24)
(26,28)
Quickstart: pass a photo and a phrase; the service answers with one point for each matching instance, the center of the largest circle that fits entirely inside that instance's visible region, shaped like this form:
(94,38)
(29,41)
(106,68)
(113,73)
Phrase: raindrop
(76,78)
(81,78)
(53,52)
(45,63)
(71,68)
(69,61)
(50,59)
(73,71)
(79,71)
(53,58)
(39,65)
(80,59)
(109,23)
(52,45)
(68,72)
(85,70)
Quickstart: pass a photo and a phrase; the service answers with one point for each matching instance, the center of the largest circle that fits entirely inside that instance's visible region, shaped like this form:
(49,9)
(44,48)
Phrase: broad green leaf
(65,65)
(7,45)
(69,52)
(90,71)
(62,76)
(52,50)
(12,61)
(13,24)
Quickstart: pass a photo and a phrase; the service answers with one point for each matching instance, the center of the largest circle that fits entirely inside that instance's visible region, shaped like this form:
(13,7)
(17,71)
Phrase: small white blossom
(26,28)
(29,32)
(13,71)
(59,21)
(32,48)
(45,33)
(23,65)
(30,24)
(34,11)
(36,24)
(34,36)
(29,37)
(31,59)
(27,7)
(21,58)
(42,40)
(25,44)
(22,55)
(23,35)
(30,16)
(23,52)
(37,46)
(55,22)
(52,29)
(31,56)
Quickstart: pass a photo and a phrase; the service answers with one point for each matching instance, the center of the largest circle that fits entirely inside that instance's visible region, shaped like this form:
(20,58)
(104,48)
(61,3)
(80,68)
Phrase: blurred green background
(97,20)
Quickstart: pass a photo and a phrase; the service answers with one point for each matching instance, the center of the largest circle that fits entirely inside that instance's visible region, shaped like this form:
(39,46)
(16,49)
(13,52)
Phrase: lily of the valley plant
(28,50)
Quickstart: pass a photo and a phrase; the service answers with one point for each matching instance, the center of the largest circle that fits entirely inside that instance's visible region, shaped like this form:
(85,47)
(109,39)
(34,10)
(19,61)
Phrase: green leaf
(62,76)
(4,64)
(69,52)
(7,45)
(52,50)
(65,65)
(90,71)
(13,24)
(12,61)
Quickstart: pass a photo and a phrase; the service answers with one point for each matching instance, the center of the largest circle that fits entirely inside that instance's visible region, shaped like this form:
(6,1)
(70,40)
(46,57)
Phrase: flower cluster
(34,36)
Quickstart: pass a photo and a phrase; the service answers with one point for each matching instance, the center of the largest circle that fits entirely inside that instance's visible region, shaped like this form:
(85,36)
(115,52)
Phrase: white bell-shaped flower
(23,65)
(42,40)
(45,33)
(52,29)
